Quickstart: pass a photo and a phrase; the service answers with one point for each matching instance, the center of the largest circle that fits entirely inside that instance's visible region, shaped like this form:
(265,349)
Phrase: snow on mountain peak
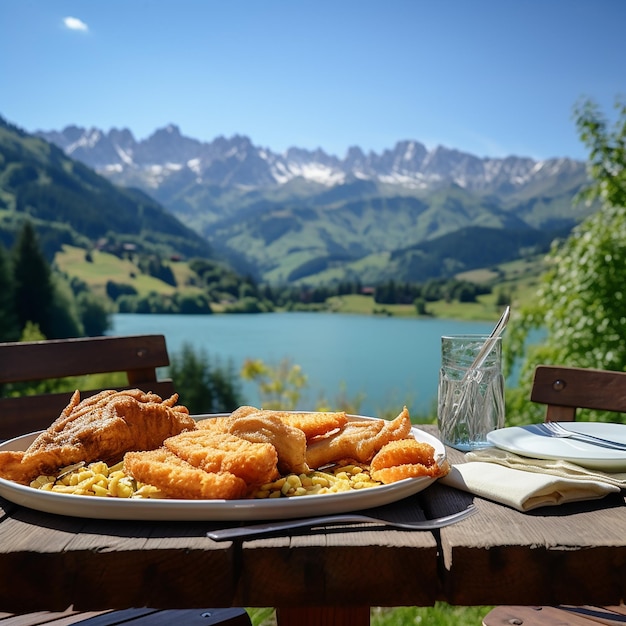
(237,161)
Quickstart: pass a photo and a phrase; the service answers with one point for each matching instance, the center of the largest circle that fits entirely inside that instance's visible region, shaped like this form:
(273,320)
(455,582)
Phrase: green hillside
(373,233)
(300,233)
(68,203)
(97,268)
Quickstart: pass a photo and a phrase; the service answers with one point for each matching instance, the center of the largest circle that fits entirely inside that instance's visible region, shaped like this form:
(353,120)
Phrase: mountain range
(237,162)
(69,203)
(408,213)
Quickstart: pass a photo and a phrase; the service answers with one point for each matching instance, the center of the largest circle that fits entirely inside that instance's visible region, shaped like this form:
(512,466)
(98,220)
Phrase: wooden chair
(137,356)
(563,390)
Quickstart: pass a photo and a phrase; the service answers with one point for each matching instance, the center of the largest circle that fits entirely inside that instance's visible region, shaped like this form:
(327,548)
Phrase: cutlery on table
(309,522)
(554,429)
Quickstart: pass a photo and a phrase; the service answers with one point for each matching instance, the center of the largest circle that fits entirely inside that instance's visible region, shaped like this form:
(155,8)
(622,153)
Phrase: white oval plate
(528,441)
(209,510)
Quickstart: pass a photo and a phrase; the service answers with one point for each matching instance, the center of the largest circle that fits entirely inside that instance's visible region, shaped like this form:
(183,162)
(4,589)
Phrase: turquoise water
(390,361)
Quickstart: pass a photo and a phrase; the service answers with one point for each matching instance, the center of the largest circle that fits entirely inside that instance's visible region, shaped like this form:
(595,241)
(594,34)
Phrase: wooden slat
(554,616)
(579,388)
(136,356)
(131,564)
(329,616)
(346,567)
(180,617)
(131,617)
(40,360)
(51,618)
(31,413)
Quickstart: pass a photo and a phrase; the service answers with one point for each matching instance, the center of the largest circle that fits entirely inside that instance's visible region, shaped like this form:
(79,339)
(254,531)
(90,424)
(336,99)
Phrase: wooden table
(572,554)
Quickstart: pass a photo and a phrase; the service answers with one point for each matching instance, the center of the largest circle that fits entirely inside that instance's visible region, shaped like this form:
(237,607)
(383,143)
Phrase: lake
(390,361)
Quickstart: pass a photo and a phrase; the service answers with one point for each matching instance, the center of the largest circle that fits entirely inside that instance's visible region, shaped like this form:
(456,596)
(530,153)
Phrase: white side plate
(528,441)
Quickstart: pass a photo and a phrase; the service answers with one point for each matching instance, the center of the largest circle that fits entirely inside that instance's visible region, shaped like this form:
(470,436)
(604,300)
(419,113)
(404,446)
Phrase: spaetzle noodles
(98,479)
(95,479)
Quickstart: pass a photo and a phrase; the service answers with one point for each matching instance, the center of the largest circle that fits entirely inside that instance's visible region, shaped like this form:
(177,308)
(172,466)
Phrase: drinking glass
(469,408)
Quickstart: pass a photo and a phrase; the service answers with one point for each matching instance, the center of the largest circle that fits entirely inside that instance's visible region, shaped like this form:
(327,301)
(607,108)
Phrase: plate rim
(170,509)
(610,459)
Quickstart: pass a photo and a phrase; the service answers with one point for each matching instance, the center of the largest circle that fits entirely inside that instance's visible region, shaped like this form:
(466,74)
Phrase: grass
(104,267)
(518,280)
(441,614)
(364,305)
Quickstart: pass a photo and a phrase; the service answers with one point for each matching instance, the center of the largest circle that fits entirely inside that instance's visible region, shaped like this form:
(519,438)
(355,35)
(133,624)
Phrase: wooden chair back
(564,389)
(137,356)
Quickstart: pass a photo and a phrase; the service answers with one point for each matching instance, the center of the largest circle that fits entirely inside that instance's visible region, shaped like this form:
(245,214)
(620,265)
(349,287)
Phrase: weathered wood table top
(573,554)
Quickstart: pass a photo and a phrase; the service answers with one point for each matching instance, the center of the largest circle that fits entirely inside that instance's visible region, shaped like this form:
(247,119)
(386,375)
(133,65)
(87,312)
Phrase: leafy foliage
(9,328)
(35,297)
(581,303)
(280,386)
(204,386)
(34,289)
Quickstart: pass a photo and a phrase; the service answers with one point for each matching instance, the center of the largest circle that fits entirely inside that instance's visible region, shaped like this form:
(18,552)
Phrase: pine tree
(9,330)
(34,290)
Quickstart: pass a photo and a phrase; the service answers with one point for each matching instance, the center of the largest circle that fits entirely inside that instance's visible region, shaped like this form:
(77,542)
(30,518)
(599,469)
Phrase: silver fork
(554,429)
(261,529)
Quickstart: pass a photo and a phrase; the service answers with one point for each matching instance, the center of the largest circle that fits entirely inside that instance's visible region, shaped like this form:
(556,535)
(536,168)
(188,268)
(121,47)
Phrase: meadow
(517,280)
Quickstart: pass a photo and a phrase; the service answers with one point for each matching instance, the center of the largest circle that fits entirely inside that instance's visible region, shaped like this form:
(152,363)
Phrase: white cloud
(73,23)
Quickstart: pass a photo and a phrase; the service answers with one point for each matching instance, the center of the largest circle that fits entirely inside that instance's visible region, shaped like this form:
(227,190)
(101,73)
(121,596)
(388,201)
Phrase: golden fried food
(315,424)
(264,427)
(311,423)
(290,442)
(14,467)
(176,478)
(249,453)
(358,440)
(254,463)
(244,411)
(405,458)
(216,424)
(102,427)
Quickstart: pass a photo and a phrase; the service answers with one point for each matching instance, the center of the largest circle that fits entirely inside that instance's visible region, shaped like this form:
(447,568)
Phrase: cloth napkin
(525,483)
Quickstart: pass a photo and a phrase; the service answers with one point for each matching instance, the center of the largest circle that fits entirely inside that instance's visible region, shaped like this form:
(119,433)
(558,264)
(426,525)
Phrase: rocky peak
(237,161)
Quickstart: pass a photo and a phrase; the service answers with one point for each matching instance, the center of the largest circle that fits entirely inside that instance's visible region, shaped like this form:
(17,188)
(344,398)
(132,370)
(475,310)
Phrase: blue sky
(490,77)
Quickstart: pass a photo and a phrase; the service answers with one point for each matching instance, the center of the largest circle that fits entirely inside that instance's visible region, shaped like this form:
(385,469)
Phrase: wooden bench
(138,357)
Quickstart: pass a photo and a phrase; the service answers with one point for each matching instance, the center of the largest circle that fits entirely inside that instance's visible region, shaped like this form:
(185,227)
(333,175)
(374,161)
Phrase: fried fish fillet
(259,426)
(290,442)
(176,478)
(315,423)
(101,427)
(216,424)
(405,458)
(255,463)
(312,423)
(358,440)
